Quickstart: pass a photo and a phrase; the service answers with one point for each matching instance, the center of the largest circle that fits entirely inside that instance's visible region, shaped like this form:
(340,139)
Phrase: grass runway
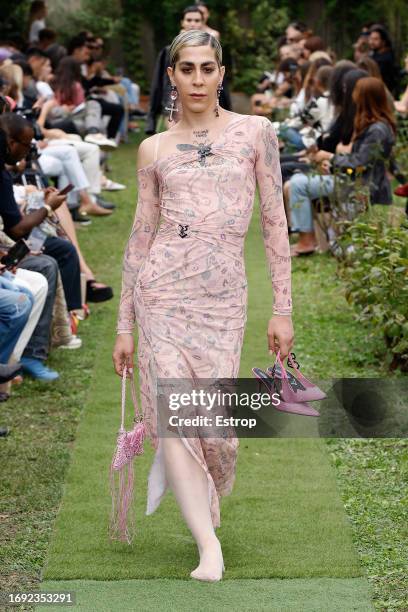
(286,539)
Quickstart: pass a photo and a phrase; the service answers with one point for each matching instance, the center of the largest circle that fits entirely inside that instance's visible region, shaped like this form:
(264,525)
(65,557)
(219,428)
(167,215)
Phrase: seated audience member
(79,49)
(47,42)
(96,87)
(302,130)
(70,94)
(37,58)
(96,47)
(19,135)
(312,44)
(16,304)
(36,351)
(283,94)
(270,81)
(342,83)
(371,145)
(12,75)
(63,161)
(36,285)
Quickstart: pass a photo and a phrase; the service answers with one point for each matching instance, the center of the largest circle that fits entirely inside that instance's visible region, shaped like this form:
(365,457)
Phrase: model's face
(375,41)
(192,21)
(196,76)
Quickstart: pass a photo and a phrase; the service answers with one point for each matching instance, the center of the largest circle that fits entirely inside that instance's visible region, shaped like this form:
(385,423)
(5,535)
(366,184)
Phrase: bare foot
(211,564)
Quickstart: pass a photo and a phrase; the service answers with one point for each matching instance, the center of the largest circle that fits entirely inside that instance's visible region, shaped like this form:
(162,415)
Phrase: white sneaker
(101,140)
(74,343)
(109,185)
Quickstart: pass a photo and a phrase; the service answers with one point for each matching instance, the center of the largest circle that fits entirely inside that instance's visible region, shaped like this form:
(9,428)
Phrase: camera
(31,114)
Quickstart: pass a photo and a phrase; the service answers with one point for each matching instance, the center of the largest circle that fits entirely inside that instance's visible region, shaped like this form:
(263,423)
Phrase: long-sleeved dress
(184,280)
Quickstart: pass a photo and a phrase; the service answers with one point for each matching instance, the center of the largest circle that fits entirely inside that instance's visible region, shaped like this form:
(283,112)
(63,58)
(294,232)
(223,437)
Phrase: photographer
(58,253)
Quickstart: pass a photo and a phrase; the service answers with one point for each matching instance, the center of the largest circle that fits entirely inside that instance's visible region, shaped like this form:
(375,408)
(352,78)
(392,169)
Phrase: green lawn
(44,422)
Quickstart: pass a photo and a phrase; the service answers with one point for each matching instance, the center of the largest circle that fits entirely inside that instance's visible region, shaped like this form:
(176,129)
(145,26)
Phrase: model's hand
(123,352)
(280,335)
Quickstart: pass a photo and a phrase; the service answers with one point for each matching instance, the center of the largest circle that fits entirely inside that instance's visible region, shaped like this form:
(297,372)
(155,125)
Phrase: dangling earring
(173,97)
(219,89)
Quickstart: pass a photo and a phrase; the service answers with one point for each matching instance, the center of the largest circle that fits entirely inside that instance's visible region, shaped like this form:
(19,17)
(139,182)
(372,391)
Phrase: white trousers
(38,285)
(63,161)
(90,156)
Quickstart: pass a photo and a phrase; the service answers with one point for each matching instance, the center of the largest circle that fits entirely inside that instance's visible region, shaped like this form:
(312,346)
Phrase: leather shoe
(105,204)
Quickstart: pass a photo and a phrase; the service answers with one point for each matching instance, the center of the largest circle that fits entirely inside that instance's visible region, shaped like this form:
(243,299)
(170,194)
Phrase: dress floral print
(184,280)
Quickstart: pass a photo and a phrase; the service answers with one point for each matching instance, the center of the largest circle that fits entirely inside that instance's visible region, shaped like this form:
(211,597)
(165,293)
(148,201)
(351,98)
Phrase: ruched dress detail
(184,280)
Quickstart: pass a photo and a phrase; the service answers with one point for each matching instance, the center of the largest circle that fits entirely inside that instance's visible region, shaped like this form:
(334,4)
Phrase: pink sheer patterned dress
(184,279)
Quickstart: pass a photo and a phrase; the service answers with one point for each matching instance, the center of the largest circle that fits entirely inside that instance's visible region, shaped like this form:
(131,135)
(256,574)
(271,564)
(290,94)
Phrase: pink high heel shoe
(302,408)
(294,389)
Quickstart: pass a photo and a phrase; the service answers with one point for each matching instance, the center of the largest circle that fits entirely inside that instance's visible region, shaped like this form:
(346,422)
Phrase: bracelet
(48,209)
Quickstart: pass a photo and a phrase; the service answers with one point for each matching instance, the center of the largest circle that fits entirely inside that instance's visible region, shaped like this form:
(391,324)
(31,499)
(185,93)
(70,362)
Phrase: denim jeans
(303,189)
(132,91)
(291,136)
(15,307)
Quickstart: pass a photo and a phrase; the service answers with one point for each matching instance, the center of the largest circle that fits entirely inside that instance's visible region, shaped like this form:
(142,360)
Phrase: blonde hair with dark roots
(194,38)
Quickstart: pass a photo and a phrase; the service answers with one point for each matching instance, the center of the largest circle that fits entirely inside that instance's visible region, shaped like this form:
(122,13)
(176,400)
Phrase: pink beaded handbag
(128,445)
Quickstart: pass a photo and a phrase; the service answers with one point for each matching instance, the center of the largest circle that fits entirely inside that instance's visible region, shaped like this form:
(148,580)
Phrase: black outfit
(9,210)
(336,133)
(115,111)
(38,345)
(65,253)
(386,64)
(66,125)
(159,90)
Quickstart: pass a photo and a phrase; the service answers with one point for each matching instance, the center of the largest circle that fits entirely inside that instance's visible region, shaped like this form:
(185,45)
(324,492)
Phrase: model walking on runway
(184,280)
